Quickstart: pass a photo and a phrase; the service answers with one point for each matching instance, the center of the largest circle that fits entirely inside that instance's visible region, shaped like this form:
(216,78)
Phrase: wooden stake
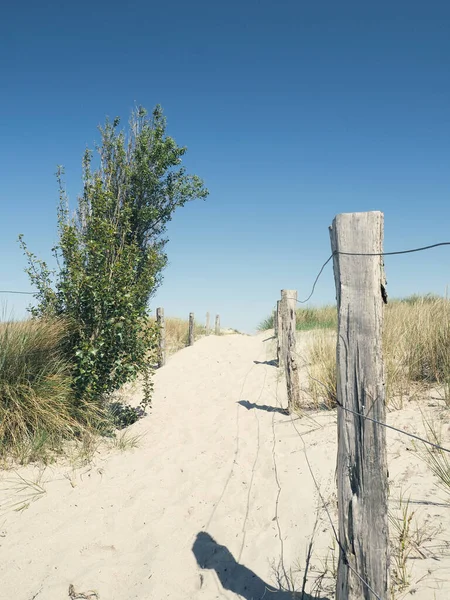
(362,478)
(191,329)
(275,323)
(279,333)
(162,336)
(288,307)
(217,325)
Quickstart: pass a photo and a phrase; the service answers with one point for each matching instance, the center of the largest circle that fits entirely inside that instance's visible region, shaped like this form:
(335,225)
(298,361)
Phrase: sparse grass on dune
(267,323)
(416,342)
(435,457)
(308,318)
(422,330)
(37,412)
(324,317)
(177,334)
(322,370)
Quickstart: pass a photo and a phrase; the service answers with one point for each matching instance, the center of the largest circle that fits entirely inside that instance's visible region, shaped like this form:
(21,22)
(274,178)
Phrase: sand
(217,501)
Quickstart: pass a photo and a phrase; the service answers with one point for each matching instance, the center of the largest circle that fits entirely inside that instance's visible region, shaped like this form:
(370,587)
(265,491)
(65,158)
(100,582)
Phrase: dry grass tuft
(416,341)
(437,459)
(324,317)
(124,441)
(177,334)
(322,372)
(35,388)
(308,318)
(37,411)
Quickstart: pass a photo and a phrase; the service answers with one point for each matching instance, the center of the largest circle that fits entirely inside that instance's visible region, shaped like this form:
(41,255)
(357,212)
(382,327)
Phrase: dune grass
(416,345)
(37,410)
(324,317)
(39,417)
(308,318)
(177,334)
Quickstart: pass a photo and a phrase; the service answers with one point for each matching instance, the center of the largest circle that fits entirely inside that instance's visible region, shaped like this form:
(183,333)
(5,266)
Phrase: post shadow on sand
(270,363)
(249,405)
(236,577)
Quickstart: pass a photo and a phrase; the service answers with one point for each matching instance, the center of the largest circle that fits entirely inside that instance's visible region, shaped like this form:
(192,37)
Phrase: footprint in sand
(97,550)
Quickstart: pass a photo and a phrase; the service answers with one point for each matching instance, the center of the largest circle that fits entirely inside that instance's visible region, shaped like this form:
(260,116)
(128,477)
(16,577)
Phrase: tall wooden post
(207,328)
(279,333)
(217,325)
(362,479)
(275,323)
(288,307)
(191,329)
(162,336)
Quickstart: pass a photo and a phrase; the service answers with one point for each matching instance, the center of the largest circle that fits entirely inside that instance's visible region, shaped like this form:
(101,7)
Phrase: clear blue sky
(292,112)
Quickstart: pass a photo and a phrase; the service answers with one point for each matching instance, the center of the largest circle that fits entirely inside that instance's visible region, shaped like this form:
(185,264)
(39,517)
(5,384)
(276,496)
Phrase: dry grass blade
(20,492)
(322,371)
(126,441)
(437,460)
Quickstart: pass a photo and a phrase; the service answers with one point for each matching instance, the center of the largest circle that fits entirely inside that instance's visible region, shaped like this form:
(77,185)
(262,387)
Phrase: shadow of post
(270,363)
(250,405)
(235,577)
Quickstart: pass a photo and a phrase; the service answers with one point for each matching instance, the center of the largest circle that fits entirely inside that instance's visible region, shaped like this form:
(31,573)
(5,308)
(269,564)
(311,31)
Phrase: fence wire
(394,253)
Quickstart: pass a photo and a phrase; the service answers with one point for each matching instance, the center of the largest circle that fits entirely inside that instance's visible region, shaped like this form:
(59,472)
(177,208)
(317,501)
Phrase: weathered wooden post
(288,306)
(191,329)
(217,325)
(162,337)
(207,324)
(279,333)
(362,480)
(275,323)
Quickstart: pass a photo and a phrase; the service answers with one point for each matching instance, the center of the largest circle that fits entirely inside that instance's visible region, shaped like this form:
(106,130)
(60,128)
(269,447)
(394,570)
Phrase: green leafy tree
(110,253)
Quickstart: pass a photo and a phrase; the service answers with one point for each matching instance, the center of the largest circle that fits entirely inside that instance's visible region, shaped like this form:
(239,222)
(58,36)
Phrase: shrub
(111,253)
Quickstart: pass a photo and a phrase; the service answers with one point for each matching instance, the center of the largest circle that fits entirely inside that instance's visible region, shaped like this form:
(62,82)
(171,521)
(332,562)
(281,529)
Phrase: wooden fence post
(217,325)
(275,323)
(162,336)
(279,332)
(288,306)
(191,329)
(362,477)
(207,324)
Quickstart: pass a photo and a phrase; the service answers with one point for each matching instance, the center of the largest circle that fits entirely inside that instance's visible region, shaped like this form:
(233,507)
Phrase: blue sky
(292,112)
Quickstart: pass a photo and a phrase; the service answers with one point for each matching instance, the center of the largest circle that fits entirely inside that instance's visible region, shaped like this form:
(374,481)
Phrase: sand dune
(217,501)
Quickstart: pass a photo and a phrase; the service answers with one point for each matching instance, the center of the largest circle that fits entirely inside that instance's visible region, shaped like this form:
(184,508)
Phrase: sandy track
(216,501)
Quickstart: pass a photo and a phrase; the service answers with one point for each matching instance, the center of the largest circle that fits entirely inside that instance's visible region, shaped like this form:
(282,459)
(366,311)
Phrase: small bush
(111,251)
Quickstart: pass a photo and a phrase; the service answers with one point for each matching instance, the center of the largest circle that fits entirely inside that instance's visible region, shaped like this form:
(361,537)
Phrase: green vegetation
(416,341)
(416,346)
(308,318)
(324,317)
(37,408)
(92,310)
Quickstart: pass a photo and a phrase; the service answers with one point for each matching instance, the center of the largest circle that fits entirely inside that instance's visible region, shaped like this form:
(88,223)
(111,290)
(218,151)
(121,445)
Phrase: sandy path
(216,500)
